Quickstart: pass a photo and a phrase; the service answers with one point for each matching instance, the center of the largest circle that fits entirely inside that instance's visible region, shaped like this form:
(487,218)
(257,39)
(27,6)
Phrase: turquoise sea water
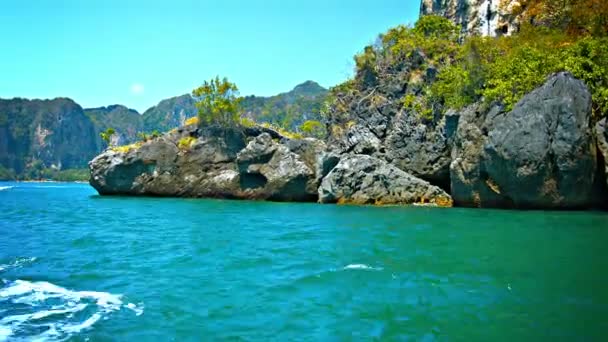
(82,267)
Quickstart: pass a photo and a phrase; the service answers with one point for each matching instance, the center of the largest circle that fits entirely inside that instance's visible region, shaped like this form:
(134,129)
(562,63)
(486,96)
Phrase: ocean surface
(77,266)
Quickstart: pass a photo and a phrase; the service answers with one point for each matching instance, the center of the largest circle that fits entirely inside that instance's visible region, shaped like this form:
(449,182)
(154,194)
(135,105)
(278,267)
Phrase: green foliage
(432,26)
(127,148)
(505,69)
(186,142)
(7,174)
(247,122)
(36,170)
(218,102)
(588,60)
(107,135)
(70,175)
(429,69)
(287,110)
(433,36)
(313,128)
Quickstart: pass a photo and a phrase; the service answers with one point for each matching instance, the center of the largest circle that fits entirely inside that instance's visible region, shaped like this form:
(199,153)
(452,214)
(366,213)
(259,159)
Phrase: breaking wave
(2,188)
(42,310)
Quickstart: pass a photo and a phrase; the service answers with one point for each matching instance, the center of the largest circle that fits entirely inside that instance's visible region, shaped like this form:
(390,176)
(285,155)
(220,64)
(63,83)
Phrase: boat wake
(44,311)
(19,262)
(362,267)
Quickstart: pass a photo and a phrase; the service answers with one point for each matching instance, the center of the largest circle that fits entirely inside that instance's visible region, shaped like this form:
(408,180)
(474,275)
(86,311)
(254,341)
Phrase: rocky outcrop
(539,155)
(58,134)
(601,135)
(254,163)
(485,17)
(381,128)
(361,179)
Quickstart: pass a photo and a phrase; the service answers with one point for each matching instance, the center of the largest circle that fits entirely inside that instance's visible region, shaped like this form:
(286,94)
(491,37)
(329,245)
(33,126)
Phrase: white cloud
(137,89)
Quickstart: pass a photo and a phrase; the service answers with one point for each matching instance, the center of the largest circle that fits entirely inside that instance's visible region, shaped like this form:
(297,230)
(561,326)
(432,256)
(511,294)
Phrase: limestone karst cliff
(485,17)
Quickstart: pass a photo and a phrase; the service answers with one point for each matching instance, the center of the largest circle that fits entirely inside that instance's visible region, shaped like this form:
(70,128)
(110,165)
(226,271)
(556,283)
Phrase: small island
(435,115)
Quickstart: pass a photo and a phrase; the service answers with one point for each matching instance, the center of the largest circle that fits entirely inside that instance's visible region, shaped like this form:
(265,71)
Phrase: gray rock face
(420,149)
(271,171)
(539,155)
(485,17)
(601,135)
(224,163)
(55,133)
(361,179)
(398,137)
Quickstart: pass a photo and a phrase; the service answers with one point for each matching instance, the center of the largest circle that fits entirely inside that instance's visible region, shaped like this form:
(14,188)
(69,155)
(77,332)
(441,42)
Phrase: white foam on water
(2,188)
(5,332)
(361,267)
(138,309)
(52,309)
(19,262)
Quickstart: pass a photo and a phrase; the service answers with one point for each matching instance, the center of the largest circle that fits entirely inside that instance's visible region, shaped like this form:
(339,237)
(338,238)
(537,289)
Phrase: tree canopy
(107,135)
(218,102)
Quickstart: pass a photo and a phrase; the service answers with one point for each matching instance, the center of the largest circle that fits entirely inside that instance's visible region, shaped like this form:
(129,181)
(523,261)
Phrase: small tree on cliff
(107,135)
(218,102)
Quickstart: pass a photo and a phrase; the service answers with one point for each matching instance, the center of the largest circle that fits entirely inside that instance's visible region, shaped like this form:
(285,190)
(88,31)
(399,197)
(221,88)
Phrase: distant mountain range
(39,137)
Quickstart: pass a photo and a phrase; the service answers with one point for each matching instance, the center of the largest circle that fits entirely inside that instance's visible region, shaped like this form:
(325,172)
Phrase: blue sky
(136,52)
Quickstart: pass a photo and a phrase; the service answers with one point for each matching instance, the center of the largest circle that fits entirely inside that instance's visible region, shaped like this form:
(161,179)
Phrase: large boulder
(252,163)
(361,179)
(269,170)
(420,148)
(539,155)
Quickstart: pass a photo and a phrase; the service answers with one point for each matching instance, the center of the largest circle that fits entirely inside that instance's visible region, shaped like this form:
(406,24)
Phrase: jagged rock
(420,149)
(361,179)
(326,161)
(601,135)
(225,163)
(399,137)
(117,173)
(539,155)
(270,170)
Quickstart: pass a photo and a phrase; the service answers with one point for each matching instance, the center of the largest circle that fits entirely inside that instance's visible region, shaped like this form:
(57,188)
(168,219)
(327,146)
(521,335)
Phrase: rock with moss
(246,163)
(383,112)
(362,179)
(539,155)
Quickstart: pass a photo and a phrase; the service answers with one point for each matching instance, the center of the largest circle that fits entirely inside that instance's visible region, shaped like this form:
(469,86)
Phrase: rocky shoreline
(543,154)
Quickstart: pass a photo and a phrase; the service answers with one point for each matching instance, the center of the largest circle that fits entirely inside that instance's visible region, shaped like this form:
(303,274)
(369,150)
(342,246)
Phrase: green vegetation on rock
(287,110)
(218,102)
(429,68)
(107,135)
(7,174)
(505,69)
(313,128)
